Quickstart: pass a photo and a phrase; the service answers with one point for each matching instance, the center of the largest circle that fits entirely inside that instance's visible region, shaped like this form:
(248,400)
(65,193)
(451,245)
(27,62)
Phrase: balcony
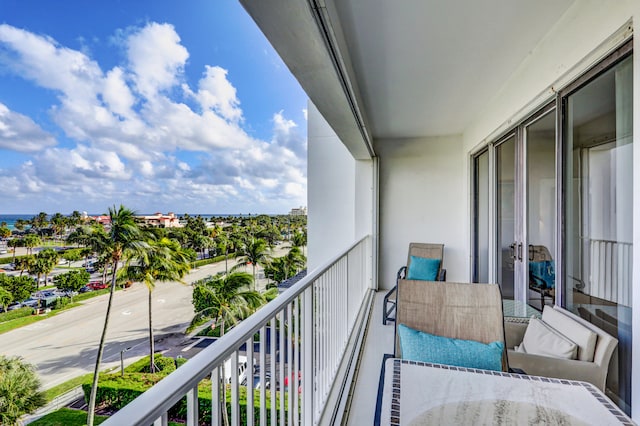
(305,349)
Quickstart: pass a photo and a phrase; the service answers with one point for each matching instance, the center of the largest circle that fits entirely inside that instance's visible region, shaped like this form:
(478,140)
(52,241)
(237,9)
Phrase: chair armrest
(442,276)
(402,274)
(514,329)
(571,369)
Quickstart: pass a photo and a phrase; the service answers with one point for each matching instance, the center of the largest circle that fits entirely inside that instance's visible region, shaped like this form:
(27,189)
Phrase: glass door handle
(513,251)
(520,252)
(531,253)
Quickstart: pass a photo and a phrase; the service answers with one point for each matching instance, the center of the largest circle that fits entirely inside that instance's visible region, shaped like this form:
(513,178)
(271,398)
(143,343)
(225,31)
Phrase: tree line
(127,250)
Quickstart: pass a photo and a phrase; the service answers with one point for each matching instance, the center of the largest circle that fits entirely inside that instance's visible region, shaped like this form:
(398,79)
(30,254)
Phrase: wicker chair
(455,310)
(426,250)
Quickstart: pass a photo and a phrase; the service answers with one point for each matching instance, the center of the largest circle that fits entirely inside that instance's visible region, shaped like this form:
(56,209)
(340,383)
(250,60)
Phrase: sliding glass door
(576,152)
(598,197)
(522,213)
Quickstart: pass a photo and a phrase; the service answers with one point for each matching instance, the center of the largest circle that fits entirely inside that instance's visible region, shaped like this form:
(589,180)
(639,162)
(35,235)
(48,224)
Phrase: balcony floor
(378,341)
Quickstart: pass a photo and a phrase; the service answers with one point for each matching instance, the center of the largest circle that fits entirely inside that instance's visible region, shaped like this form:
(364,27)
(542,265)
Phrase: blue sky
(158,105)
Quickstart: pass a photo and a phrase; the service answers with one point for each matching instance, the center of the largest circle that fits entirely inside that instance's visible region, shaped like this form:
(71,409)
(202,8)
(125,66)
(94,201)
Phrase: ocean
(10,219)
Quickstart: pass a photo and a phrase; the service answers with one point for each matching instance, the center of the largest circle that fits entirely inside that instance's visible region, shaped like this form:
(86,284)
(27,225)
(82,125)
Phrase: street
(65,346)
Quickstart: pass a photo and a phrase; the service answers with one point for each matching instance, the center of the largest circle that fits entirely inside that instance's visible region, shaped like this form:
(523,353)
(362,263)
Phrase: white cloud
(156,58)
(20,133)
(127,129)
(215,92)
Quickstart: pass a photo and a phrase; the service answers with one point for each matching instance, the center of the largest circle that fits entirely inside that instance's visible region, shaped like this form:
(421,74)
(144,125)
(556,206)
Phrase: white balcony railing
(302,339)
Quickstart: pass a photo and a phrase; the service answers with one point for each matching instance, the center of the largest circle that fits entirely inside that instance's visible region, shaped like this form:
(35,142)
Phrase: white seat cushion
(583,337)
(541,339)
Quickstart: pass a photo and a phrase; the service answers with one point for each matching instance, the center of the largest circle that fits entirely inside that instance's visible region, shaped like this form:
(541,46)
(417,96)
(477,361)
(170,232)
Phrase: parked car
(85,289)
(32,303)
(14,306)
(98,285)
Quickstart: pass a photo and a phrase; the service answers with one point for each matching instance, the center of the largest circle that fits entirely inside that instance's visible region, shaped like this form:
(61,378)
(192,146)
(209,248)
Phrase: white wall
(339,192)
(422,199)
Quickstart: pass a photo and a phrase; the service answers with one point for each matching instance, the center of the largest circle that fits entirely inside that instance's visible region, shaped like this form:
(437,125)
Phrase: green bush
(180,362)
(164,364)
(18,313)
(60,303)
(114,392)
(216,259)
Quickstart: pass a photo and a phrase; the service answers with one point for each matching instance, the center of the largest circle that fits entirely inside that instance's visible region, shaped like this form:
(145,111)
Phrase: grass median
(15,323)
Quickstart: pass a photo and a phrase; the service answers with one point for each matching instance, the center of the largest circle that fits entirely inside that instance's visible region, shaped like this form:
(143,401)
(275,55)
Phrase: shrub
(18,313)
(164,364)
(180,362)
(216,259)
(114,392)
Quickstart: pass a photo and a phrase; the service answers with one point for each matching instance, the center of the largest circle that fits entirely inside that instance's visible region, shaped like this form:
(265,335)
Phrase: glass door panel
(505,154)
(541,211)
(481,243)
(598,199)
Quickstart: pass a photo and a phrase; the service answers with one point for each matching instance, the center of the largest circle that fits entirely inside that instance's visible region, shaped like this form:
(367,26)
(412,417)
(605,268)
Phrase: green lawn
(66,417)
(21,322)
(70,417)
(62,388)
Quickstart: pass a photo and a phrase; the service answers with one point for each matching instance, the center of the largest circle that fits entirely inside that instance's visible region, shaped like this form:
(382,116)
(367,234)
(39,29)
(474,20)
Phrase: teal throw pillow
(423,268)
(419,346)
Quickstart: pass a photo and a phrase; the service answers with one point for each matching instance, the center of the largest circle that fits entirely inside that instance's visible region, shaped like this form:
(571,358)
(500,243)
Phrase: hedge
(115,392)
(17,313)
(216,259)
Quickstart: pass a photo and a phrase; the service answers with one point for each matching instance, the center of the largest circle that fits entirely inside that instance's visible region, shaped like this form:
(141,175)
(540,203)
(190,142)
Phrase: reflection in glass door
(598,206)
(541,211)
(505,205)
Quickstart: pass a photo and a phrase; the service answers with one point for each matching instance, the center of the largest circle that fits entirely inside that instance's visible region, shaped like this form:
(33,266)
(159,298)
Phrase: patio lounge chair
(454,310)
(416,250)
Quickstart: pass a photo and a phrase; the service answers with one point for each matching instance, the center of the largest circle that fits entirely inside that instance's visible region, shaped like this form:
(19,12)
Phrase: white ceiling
(402,68)
(427,67)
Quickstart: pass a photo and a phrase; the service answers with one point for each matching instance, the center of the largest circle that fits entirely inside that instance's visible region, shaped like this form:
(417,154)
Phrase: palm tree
(299,240)
(15,243)
(163,261)
(31,241)
(19,390)
(49,261)
(38,266)
(24,263)
(59,224)
(223,246)
(123,238)
(226,299)
(254,253)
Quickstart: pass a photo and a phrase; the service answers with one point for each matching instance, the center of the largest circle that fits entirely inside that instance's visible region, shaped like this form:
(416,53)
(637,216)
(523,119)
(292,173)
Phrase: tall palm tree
(59,224)
(15,243)
(24,263)
(226,299)
(49,259)
(123,238)
(30,242)
(254,253)
(163,261)
(299,240)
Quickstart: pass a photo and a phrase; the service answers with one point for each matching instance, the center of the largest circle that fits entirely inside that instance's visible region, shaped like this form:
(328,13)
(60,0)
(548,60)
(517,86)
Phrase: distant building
(301,211)
(159,220)
(104,220)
